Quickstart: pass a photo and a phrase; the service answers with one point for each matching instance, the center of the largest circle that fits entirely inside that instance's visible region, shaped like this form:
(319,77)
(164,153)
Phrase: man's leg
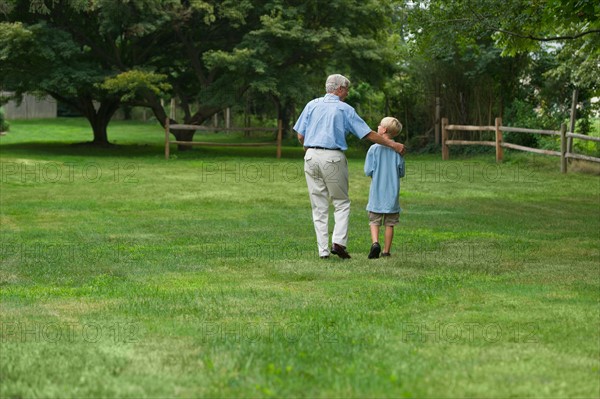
(319,201)
(336,179)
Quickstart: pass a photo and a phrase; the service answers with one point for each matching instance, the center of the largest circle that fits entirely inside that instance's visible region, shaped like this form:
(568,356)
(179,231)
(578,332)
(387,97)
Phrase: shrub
(3,123)
(521,114)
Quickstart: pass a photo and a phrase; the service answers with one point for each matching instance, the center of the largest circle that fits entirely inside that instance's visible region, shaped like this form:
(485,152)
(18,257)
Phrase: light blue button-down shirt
(386,167)
(325,121)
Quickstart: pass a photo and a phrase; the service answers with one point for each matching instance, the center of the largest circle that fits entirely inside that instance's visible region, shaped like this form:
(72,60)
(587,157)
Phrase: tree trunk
(99,119)
(100,133)
(285,112)
(183,135)
(180,135)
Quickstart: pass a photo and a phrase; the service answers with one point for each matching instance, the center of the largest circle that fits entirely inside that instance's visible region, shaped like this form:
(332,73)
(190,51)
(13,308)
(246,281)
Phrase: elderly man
(322,129)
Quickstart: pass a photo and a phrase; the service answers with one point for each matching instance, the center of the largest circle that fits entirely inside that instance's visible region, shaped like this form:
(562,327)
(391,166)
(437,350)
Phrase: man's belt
(323,148)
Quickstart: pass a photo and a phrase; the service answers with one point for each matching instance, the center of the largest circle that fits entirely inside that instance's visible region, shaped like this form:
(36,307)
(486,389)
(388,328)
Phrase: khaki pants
(327,178)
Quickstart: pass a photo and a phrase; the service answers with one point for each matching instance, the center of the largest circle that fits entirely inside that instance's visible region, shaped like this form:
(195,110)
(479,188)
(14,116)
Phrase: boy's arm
(369,166)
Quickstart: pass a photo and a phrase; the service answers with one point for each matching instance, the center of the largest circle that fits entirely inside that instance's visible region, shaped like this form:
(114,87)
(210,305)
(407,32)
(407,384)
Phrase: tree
(39,58)
(287,55)
(458,64)
(571,27)
(567,29)
(482,56)
(68,49)
(4,125)
(210,53)
(96,56)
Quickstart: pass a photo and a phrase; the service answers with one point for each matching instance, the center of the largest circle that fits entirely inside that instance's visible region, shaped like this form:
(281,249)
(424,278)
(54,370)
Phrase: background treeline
(264,59)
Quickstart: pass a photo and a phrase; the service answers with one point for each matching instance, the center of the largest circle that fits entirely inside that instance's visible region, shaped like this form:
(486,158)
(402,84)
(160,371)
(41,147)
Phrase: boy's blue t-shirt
(386,167)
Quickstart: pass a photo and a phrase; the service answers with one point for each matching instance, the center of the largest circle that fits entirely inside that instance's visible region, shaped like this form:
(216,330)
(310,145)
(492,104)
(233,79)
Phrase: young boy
(386,167)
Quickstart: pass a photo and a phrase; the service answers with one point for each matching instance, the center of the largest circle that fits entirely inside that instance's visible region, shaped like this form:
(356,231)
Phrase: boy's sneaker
(375,250)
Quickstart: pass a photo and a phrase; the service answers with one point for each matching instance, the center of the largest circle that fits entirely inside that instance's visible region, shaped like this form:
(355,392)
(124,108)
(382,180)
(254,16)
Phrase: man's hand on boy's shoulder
(400,148)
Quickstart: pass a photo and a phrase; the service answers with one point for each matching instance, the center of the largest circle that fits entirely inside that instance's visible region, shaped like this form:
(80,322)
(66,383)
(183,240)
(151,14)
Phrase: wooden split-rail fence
(566,139)
(169,127)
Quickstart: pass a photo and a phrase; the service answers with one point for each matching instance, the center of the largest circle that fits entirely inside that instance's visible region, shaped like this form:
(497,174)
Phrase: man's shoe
(375,250)
(340,251)
(325,257)
(385,254)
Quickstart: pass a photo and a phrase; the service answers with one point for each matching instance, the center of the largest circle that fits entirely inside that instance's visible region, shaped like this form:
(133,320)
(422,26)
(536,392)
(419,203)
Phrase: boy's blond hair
(392,125)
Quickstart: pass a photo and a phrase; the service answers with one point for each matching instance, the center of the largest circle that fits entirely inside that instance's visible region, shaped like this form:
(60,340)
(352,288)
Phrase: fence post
(499,151)
(445,150)
(279,137)
(167,139)
(563,148)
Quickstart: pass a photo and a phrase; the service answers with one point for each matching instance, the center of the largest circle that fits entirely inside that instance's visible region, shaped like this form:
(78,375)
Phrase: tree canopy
(489,58)
(483,58)
(207,54)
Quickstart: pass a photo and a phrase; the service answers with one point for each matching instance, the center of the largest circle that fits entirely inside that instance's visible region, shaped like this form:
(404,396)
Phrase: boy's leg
(375,220)
(389,236)
(391,220)
(374,233)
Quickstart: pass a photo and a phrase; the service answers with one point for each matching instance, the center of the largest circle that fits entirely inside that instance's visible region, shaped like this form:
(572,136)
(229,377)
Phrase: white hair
(336,81)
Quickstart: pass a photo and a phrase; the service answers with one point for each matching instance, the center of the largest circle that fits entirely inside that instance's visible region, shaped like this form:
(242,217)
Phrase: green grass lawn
(125,275)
